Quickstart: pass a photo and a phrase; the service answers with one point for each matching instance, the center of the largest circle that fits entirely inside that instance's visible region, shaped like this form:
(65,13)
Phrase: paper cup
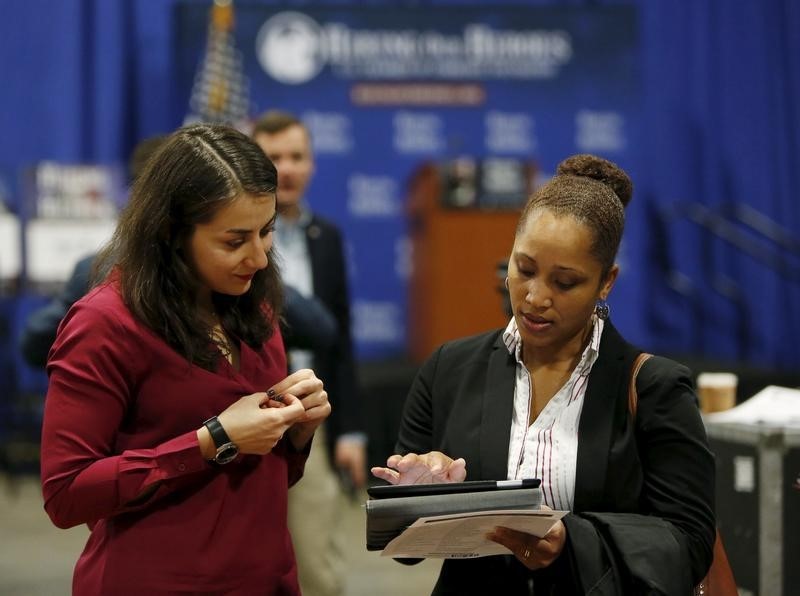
(717,391)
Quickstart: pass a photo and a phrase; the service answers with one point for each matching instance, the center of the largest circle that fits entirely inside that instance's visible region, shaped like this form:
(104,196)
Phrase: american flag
(221,91)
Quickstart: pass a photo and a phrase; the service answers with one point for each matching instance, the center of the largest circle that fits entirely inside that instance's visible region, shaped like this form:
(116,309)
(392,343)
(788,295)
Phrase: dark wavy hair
(594,191)
(196,171)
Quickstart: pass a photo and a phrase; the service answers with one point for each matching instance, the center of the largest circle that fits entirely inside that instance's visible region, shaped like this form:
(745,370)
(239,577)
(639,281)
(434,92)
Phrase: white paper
(463,535)
(744,474)
(772,406)
(10,246)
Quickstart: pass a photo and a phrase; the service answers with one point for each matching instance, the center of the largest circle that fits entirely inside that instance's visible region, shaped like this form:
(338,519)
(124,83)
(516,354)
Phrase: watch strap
(217,432)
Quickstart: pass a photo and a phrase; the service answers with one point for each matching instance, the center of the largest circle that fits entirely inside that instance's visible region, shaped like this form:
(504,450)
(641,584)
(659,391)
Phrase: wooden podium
(454,287)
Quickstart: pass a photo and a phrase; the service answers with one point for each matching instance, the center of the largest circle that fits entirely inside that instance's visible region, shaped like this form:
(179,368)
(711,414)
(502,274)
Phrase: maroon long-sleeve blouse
(120,453)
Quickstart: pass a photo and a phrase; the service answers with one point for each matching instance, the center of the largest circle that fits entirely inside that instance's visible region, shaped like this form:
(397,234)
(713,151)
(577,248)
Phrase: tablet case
(388,517)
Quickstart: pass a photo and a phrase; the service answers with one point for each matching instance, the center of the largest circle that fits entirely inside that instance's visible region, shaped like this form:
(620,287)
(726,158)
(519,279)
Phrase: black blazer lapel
(605,400)
(496,411)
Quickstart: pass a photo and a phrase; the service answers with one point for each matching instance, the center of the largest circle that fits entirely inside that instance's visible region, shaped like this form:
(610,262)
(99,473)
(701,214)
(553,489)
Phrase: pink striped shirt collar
(513,343)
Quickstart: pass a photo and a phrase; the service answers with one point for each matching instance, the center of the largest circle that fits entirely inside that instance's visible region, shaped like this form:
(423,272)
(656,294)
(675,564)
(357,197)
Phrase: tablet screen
(469,486)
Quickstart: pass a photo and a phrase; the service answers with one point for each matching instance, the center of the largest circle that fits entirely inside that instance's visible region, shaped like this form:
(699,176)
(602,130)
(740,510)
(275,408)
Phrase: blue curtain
(84,80)
(722,138)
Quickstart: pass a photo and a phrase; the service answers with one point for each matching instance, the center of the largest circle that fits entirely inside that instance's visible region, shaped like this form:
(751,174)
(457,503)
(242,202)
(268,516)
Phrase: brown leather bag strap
(633,394)
(720,580)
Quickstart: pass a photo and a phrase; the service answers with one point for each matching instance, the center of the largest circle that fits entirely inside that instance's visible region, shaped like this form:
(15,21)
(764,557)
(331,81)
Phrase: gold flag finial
(221,90)
(222,15)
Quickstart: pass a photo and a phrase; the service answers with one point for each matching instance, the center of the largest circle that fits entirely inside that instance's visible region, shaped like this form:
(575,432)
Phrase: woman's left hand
(532,551)
(305,385)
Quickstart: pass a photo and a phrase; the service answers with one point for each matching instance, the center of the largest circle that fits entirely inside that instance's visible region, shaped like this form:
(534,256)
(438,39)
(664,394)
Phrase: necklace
(218,335)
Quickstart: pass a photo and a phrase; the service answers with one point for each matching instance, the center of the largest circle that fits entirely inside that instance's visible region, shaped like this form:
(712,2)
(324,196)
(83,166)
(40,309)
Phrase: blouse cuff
(174,458)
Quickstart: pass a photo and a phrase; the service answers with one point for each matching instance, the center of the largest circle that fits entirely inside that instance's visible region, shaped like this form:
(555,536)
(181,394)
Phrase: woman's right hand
(532,551)
(256,423)
(427,468)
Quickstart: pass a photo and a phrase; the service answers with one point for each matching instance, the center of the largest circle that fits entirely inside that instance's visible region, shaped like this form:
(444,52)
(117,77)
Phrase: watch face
(226,453)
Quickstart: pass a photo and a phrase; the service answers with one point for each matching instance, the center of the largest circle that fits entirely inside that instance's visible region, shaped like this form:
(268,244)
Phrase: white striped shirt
(548,448)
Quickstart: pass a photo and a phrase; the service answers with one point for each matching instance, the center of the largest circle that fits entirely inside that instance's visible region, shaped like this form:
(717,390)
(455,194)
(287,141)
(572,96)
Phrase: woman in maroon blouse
(170,427)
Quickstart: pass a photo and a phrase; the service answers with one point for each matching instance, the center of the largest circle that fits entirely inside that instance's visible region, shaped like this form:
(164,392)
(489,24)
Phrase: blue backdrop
(712,249)
(385,90)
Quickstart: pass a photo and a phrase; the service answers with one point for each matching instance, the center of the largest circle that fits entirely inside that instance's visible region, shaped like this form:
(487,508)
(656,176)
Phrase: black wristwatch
(226,450)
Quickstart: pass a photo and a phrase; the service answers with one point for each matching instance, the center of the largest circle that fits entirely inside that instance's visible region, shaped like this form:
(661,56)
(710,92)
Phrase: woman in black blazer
(548,397)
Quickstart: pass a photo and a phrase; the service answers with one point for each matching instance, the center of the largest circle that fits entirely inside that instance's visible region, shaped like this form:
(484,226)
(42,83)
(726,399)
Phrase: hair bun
(602,170)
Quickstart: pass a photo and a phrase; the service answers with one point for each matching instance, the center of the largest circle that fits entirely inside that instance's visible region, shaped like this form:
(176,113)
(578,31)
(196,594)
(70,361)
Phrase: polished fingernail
(270,393)
(278,397)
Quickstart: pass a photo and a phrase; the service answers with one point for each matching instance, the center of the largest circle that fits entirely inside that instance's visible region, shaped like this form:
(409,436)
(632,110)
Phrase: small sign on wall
(55,245)
(10,247)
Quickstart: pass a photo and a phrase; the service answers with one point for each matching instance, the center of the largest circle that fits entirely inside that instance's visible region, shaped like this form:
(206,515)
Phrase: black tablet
(448,488)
